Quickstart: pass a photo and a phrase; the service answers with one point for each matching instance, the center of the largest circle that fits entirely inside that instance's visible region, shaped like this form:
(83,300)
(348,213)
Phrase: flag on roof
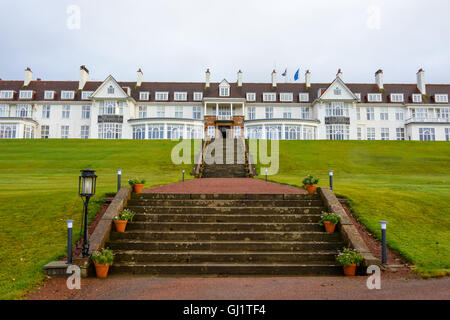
(296,75)
(284,73)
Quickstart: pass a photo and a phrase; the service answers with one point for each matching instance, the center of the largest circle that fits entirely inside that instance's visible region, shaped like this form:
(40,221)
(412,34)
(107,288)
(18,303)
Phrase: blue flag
(284,73)
(296,75)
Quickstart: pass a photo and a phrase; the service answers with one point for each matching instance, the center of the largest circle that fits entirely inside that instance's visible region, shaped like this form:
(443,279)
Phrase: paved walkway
(291,288)
(225,185)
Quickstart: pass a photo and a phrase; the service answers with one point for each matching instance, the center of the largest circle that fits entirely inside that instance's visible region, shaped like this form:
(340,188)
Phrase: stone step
(224,246)
(224,203)
(237,269)
(223,257)
(224,226)
(225,196)
(219,218)
(225,236)
(227,210)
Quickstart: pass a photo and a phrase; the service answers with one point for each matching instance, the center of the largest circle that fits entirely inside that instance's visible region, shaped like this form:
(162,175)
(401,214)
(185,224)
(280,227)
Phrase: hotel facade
(172,110)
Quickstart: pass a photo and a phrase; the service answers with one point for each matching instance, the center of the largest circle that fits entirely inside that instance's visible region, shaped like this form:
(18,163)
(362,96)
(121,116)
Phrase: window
(447,134)
(374,97)
(109,130)
(370,113)
(211,131)
(358,113)
(160,112)
(303,97)
(308,133)
(196,113)
(273,132)
(23,111)
(67,95)
(441,98)
(144,95)
(85,95)
(292,132)
(161,96)
(358,96)
(64,132)
(269,96)
(49,95)
(384,133)
(269,112)
(251,113)
(178,112)
(6,94)
(399,115)
(359,133)
(224,113)
(337,91)
(45,132)
(180,96)
(419,113)
(286,97)
(417,98)
(254,132)
(85,112)
(84,132)
(198,96)
(336,109)
(306,113)
(337,132)
(370,133)
(194,132)
(156,131)
(287,114)
(46,112)
(384,114)
(237,132)
(4,110)
(175,131)
(397,97)
(65,112)
(426,134)
(25,94)
(108,107)
(28,132)
(110,90)
(139,132)
(251,96)
(142,113)
(400,133)
(224,91)
(8,131)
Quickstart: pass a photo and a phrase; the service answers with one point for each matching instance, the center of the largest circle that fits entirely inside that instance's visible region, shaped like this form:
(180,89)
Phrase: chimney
(84,77)
(421,81)
(339,74)
(207,80)
(379,79)
(239,78)
(28,77)
(274,78)
(140,75)
(308,79)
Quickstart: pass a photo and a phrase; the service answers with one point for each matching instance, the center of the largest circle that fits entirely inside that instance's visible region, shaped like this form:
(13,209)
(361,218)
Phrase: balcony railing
(224,117)
(429,120)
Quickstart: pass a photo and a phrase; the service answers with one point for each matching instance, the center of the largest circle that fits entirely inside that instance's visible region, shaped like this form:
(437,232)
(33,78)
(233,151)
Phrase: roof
(213,91)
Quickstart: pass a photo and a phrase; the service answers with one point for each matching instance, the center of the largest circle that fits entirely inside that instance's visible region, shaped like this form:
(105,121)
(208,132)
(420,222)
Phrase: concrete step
(219,218)
(227,210)
(223,257)
(222,227)
(240,269)
(225,236)
(225,246)
(225,196)
(224,203)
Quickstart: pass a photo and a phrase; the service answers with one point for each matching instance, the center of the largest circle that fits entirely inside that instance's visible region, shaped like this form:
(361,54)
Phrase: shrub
(125,215)
(348,257)
(331,217)
(310,180)
(132,182)
(104,256)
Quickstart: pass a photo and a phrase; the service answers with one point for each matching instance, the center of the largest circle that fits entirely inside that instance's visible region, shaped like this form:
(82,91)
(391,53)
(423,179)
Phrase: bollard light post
(69,240)
(183,175)
(383,241)
(266,174)
(119,179)
(330,173)
(86,189)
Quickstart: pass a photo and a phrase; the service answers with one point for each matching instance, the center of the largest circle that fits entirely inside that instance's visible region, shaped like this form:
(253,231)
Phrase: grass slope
(406,183)
(39,191)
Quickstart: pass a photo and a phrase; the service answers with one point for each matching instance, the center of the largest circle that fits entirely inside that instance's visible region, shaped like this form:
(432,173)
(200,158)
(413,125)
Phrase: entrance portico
(224,117)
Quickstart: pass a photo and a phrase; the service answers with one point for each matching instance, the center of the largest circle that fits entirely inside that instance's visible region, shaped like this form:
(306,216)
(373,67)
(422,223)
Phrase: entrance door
(223,130)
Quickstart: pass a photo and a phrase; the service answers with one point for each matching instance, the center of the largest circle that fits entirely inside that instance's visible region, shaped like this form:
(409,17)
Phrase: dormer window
(49,95)
(6,94)
(161,96)
(269,96)
(374,97)
(417,98)
(397,97)
(303,97)
(67,95)
(286,97)
(251,96)
(144,95)
(86,95)
(25,94)
(441,98)
(110,90)
(198,96)
(180,96)
(224,91)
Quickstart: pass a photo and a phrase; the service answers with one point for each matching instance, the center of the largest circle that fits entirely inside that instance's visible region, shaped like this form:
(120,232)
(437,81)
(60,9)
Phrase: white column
(217,109)
(231,109)
(283,136)
(243,111)
(204,114)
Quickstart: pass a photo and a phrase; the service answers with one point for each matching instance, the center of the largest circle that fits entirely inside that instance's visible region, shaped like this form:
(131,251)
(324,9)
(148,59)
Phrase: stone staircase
(232,156)
(225,234)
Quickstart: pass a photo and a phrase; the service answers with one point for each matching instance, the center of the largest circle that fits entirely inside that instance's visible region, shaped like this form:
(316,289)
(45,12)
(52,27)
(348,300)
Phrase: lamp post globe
(86,189)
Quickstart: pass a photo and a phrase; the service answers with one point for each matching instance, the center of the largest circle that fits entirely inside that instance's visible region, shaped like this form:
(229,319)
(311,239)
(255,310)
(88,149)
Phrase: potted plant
(137,184)
(102,260)
(329,220)
(310,184)
(349,259)
(121,220)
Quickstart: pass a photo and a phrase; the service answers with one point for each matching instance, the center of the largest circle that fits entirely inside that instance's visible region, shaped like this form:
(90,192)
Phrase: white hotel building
(164,110)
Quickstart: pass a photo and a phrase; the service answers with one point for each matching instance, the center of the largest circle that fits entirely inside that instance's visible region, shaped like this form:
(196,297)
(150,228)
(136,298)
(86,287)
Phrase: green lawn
(406,183)
(39,191)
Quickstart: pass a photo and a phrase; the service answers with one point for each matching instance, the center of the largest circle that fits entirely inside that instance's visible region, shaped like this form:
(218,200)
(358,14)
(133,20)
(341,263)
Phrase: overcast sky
(177,40)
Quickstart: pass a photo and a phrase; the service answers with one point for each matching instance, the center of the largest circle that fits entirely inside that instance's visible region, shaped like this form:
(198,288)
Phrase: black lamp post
(86,190)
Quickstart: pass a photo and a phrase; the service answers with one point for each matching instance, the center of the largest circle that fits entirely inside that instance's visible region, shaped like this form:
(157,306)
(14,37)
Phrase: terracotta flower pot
(350,270)
(101,270)
(311,188)
(138,187)
(329,227)
(120,225)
